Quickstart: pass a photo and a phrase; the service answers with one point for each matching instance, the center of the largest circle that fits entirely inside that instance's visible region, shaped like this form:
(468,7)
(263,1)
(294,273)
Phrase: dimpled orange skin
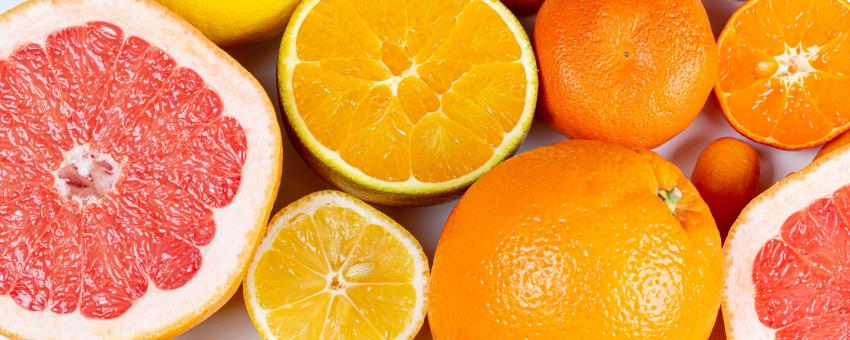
(630,72)
(572,241)
(727,176)
(523,7)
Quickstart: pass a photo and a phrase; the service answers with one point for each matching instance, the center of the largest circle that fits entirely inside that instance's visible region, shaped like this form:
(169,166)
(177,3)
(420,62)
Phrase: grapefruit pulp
(787,258)
(124,137)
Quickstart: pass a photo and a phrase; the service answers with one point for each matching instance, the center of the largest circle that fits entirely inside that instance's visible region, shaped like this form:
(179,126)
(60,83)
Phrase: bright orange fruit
(630,72)
(582,239)
(835,144)
(727,177)
(784,71)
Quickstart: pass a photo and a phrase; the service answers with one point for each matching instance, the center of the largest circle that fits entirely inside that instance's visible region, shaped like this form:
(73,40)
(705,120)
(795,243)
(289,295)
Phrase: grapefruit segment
(125,136)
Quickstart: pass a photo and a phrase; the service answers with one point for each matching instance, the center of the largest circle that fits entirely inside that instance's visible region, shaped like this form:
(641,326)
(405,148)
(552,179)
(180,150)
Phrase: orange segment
(783,71)
(328,32)
(480,36)
(442,149)
(382,150)
(400,96)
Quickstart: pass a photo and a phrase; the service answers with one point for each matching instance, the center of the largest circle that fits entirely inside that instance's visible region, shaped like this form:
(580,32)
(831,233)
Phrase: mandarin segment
(800,111)
(764,32)
(744,66)
(766,101)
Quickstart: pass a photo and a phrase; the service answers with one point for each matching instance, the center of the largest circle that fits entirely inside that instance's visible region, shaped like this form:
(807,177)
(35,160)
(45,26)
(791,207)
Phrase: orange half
(784,71)
(406,102)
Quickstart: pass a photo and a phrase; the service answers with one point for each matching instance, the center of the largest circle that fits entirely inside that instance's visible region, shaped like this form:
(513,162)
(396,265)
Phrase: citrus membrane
(406,97)
(331,267)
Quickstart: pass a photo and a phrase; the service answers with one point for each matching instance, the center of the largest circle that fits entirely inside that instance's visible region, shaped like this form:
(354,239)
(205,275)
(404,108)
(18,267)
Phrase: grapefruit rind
(412,192)
(307,205)
(762,221)
(241,223)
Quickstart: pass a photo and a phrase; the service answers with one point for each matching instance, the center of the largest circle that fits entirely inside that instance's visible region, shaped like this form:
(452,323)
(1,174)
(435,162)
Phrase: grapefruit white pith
(787,255)
(138,165)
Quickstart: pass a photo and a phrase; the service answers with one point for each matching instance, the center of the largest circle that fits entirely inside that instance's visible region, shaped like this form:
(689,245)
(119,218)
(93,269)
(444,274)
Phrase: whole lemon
(229,23)
(583,240)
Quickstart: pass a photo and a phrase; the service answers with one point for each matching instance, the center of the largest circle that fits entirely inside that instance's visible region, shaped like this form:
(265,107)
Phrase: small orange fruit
(581,239)
(523,7)
(630,72)
(835,144)
(727,177)
(784,71)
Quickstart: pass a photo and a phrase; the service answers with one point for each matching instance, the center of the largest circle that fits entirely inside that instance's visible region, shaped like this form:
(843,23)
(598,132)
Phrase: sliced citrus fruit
(784,77)
(332,267)
(124,137)
(786,258)
(406,102)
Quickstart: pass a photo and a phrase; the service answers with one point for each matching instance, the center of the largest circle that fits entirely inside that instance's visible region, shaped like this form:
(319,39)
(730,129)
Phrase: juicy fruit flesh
(784,71)
(413,90)
(801,276)
(332,273)
(143,153)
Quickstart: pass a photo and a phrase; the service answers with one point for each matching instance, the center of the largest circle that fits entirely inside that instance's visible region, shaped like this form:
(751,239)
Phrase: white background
(231,322)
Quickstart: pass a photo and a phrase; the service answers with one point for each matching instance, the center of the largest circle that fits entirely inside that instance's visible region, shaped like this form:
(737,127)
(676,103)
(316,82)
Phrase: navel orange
(581,239)
(784,77)
(727,177)
(630,72)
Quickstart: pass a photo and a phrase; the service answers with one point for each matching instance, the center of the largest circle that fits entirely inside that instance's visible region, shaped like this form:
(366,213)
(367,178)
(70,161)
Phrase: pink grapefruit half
(138,166)
(787,258)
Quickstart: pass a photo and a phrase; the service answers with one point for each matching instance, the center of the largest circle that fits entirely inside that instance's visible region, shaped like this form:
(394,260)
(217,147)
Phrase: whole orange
(523,7)
(727,177)
(624,71)
(581,239)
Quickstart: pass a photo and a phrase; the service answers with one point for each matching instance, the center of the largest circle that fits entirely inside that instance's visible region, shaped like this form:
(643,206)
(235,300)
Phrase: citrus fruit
(835,144)
(332,267)
(523,7)
(582,239)
(124,137)
(786,258)
(630,72)
(229,23)
(406,102)
(727,177)
(784,75)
